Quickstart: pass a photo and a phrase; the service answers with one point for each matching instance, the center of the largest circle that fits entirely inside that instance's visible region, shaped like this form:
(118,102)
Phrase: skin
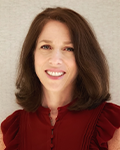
(54,52)
(57,93)
(114,143)
(56,56)
(2,145)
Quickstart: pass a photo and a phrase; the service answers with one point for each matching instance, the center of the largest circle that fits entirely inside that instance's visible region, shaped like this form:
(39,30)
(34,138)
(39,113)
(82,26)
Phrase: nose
(55,58)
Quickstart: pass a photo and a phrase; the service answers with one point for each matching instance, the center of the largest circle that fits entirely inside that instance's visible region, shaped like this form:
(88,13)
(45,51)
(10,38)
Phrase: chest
(70,131)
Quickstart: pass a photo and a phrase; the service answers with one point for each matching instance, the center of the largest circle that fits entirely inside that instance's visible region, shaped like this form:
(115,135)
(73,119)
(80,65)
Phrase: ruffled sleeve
(107,123)
(10,129)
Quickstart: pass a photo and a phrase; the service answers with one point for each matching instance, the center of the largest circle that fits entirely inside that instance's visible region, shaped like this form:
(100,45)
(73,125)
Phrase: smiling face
(54,58)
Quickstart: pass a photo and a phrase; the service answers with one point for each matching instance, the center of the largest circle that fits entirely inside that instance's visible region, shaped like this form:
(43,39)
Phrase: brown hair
(92,83)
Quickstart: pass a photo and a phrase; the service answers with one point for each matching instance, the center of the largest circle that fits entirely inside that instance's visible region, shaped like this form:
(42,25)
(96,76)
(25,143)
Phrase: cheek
(72,63)
(38,59)
(37,64)
(73,67)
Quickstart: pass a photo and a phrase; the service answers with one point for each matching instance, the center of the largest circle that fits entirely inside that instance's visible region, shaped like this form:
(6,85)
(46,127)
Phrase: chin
(54,88)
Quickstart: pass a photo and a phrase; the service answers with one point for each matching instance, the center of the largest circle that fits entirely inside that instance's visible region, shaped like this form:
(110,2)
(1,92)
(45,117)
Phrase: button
(52,127)
(51,145)
(52,136)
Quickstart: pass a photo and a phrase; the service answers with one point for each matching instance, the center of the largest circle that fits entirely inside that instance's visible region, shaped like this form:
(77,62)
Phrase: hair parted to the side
(92,84)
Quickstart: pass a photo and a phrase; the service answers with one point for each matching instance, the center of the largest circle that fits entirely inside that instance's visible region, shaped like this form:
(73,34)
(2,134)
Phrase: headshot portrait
(60,75)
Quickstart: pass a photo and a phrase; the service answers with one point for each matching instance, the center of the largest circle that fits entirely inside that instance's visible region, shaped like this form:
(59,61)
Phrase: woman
(63,87)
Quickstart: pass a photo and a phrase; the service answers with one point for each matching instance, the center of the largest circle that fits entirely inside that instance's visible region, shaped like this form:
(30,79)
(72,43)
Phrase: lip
(55,70)
(55,77)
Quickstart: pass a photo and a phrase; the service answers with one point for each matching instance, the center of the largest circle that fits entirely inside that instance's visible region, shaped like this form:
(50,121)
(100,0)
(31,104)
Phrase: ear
(2,145)
(114,143)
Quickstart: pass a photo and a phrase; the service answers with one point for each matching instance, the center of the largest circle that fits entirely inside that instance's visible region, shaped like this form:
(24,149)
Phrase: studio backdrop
(15,19)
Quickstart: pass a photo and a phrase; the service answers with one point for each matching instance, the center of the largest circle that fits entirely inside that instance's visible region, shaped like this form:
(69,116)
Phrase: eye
(69,49)
(46,47)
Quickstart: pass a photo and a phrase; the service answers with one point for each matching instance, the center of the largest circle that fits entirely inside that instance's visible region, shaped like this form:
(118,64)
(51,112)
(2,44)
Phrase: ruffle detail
(10,129)
(107,123)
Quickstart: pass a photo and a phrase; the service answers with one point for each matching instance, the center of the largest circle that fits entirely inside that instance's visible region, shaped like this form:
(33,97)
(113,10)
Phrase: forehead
(55,23)
(54,29)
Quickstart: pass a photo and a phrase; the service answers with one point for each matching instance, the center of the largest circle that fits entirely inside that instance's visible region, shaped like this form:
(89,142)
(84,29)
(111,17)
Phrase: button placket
(52,128)
(51,145)
(52,136)
(57,119)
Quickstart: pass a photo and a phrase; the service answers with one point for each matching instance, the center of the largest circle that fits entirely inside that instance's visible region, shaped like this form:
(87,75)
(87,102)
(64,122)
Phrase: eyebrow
(48,41)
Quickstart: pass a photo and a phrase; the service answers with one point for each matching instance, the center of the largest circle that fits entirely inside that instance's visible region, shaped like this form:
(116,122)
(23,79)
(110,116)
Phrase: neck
(53,100)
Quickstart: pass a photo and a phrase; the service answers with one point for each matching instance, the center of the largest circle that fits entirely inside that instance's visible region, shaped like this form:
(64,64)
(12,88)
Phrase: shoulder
(10,128)
(109,113)
(12,119)
(107,126)
(113,115)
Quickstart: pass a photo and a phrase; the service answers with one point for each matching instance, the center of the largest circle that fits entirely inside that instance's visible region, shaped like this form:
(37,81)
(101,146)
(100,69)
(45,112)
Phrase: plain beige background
(15,19)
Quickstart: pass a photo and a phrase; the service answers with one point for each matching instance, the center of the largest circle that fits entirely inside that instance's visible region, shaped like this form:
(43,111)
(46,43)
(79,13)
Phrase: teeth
(55,73)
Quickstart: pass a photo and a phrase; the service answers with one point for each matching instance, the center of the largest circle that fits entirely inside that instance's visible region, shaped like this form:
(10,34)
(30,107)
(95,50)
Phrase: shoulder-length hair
(92,83)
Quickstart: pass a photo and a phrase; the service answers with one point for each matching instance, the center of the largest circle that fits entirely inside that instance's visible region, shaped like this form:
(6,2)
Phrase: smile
(55,74)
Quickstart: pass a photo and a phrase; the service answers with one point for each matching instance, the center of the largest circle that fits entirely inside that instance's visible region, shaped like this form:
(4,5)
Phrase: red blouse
(82,130)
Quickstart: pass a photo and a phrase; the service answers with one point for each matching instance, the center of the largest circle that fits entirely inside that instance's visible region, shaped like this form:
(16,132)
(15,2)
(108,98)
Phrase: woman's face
(54,58)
